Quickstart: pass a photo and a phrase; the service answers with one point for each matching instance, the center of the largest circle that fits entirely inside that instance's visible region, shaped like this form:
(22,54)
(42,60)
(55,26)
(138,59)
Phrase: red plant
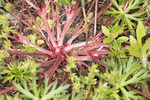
(59,49)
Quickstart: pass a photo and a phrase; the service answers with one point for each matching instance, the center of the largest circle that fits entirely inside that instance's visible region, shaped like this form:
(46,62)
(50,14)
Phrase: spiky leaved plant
(52,23)
(120,78)
(44,92)
(127,12)
(32,90)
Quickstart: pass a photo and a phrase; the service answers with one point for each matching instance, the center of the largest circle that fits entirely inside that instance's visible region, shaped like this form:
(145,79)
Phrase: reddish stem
(71,15)
(16,52)
(53,68)
(26,41)
(58,26)
(50,34)
(95,22)
(141,93)
(32,5)
(76,45)
(7,90)
(43,14)
(101,12)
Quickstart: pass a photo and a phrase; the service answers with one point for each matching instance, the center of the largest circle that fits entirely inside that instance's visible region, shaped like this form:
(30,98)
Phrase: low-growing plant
(52,25)
(115,39)
(137,48)
(111,33)
(5,44)
(19,71)
(114,84)
(82,83)
(103,92)
(31,90)
(44,92)
(117,50)
(59,32)
(127,12)
(120,75)
(5,29)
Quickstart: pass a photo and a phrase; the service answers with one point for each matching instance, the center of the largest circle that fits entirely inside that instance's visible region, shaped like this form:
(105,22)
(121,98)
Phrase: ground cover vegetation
(74,49)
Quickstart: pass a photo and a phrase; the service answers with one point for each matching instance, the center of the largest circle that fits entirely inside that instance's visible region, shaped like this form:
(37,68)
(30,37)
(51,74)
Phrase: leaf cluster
(118,78)
(115,40)
(31,90)
(137,48)
(114,84)
(19,71)
(82,83)
(5,29)
(44,92)
(127,12)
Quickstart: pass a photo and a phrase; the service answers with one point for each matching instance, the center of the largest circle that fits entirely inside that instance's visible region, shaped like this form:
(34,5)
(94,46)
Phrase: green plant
(82,83)
(44,92)
(5,29)
(111,33)
(28,48)
(117,50)
(77,96)
(31,90)
(137,48)
(102,92)
(120,75)
(114,84)
(19,71)
(127,12)
(115,40)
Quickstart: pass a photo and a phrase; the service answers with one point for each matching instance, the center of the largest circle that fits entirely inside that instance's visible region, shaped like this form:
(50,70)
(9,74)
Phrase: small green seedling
(137,48)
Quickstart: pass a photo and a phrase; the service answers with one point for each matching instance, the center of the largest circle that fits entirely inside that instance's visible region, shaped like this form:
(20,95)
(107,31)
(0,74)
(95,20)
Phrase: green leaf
(122,39)
(146,47)
(149,66)
(116,30)
(32,38)
(107,40)
(8,6)
(1,2)
(28,49)
(83,3)
(31,90)
(18,71)
(133,41)
(124,72)
(40,42)
(135,51)
(140,32)
(134,48)
(67,2)
(106,31)
(24,91)
(77,96)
